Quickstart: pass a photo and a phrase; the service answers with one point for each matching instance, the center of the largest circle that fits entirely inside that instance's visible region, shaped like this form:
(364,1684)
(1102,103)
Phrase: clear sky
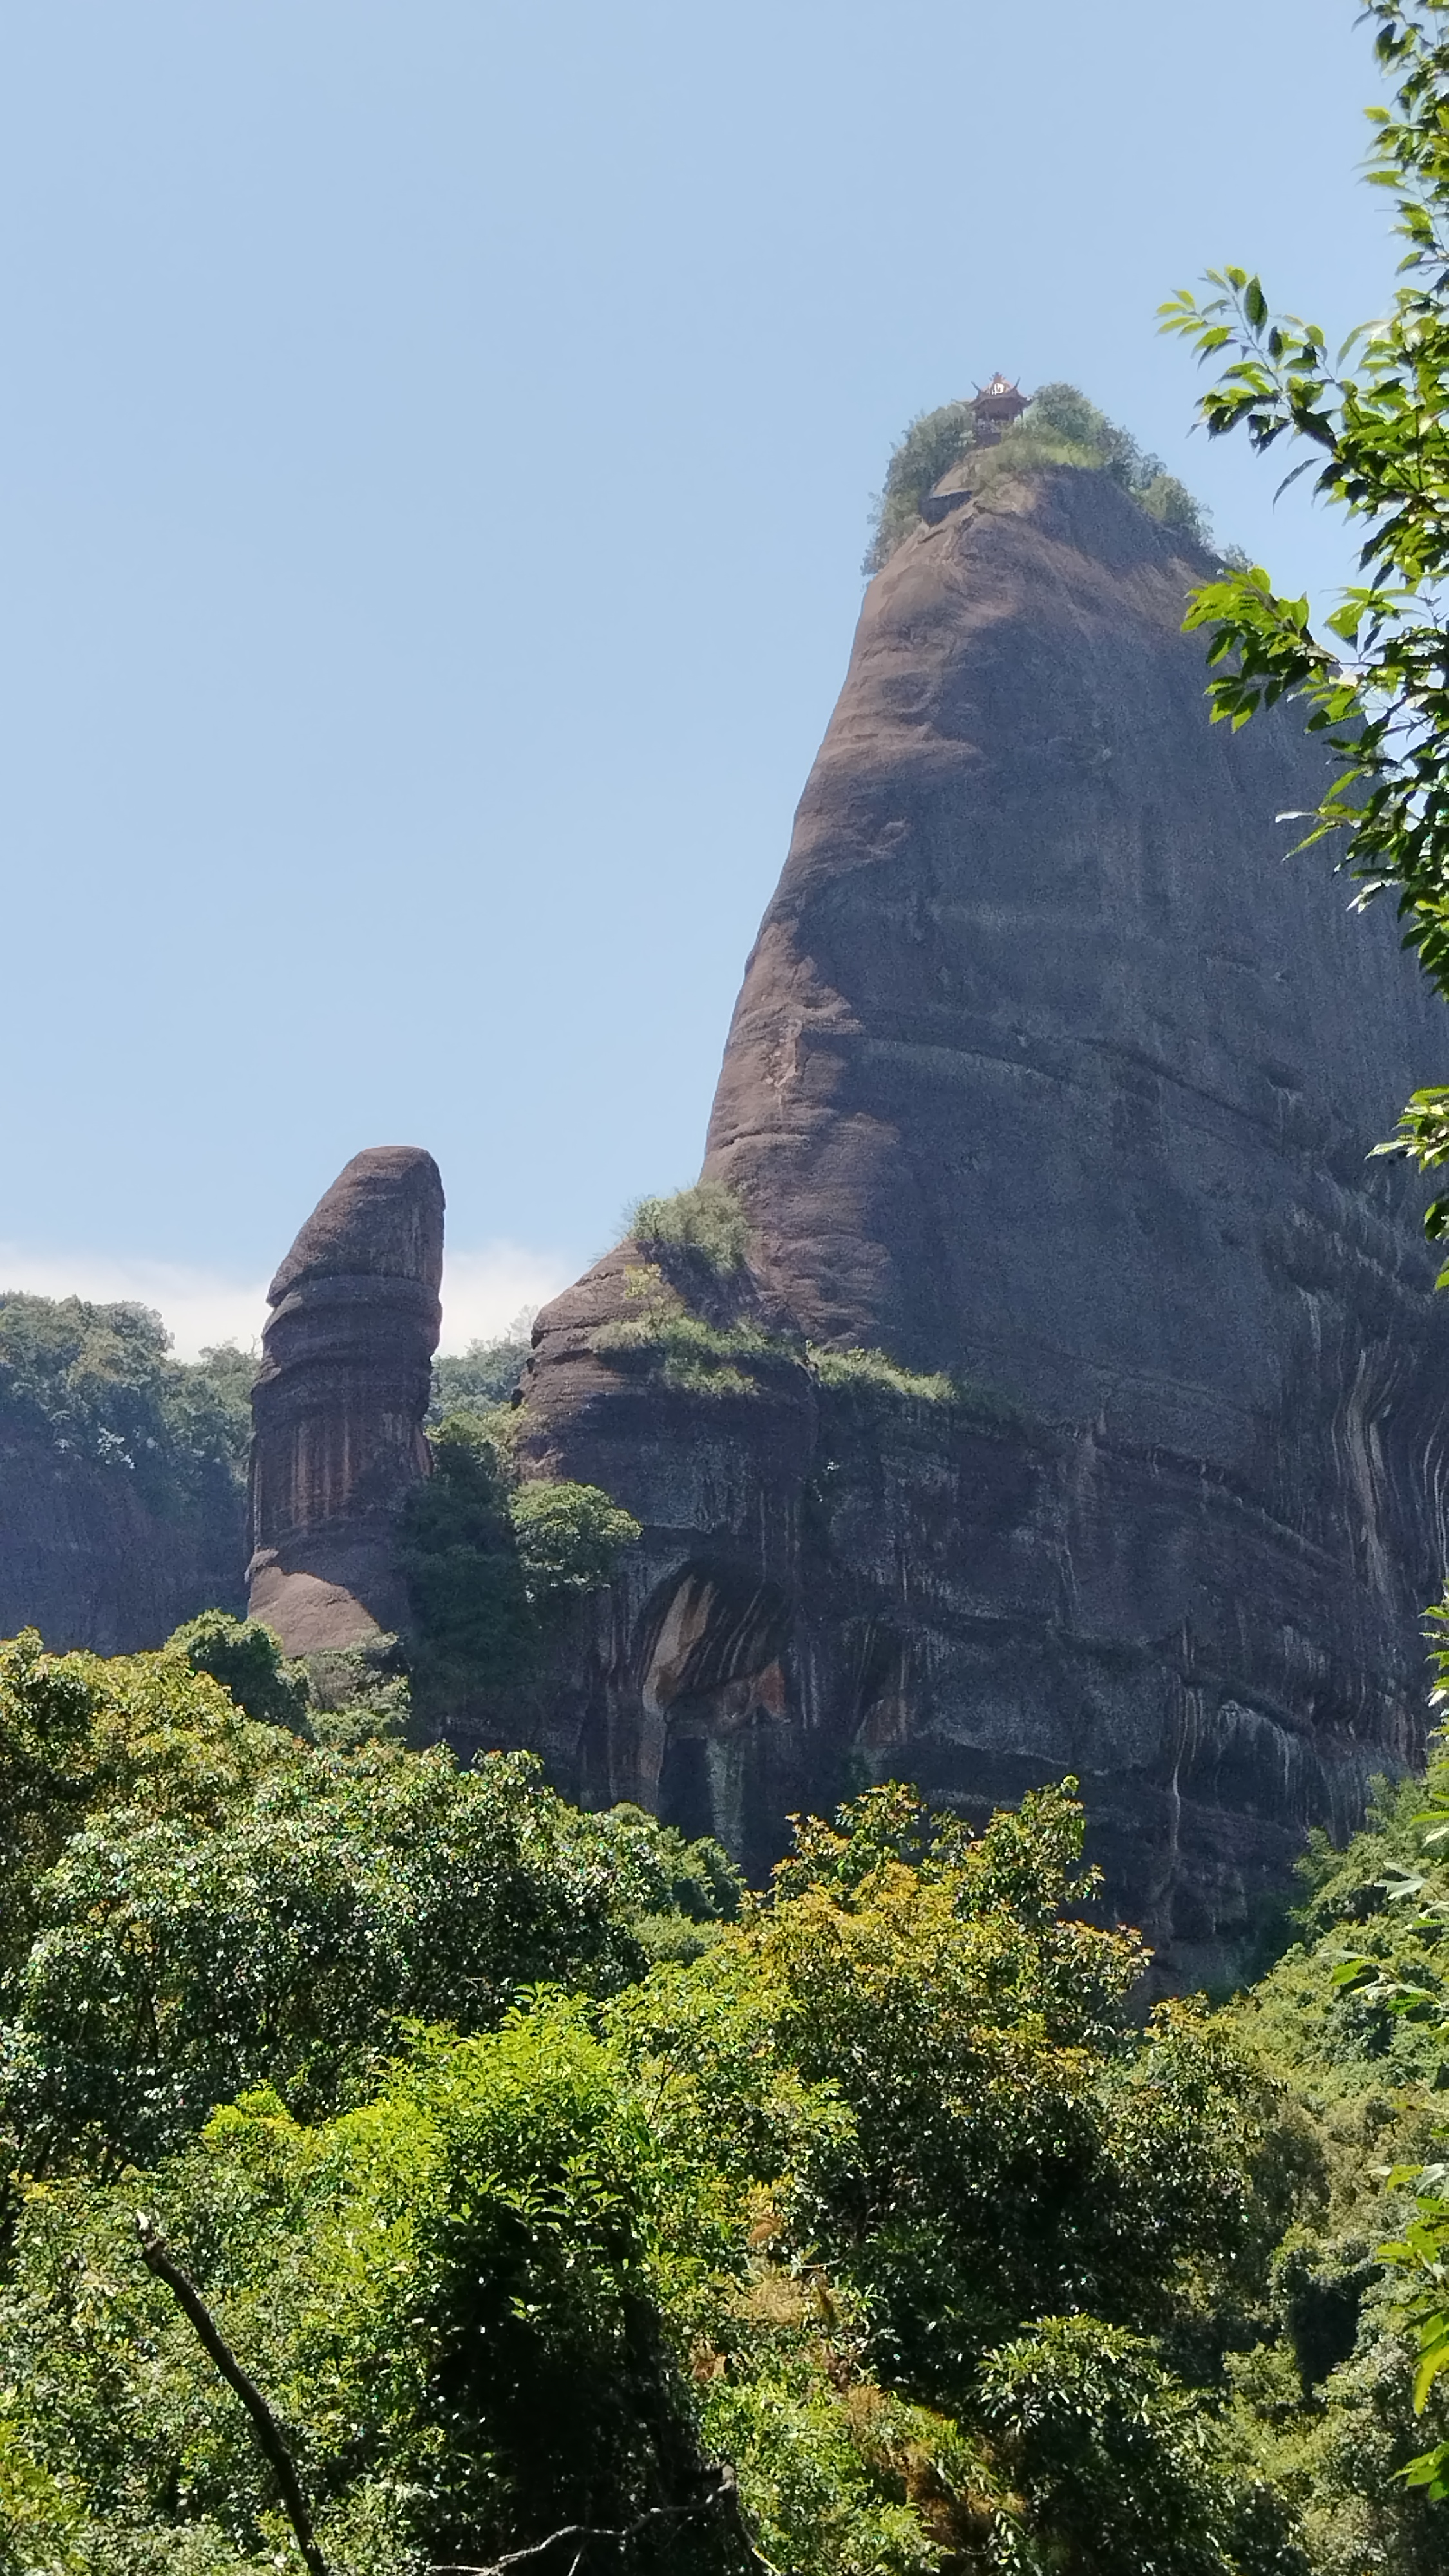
(435,455)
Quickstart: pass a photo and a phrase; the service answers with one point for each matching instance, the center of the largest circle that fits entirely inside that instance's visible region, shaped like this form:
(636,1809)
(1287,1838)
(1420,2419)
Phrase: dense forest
(541,2179)
(100,1382)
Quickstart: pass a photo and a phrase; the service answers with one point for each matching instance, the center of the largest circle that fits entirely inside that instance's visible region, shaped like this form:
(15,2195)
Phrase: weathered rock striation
(339,1404)
(1051,1072)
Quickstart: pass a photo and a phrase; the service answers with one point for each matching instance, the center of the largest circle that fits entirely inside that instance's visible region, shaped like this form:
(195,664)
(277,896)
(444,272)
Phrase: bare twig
(726,2493)
(157,2259)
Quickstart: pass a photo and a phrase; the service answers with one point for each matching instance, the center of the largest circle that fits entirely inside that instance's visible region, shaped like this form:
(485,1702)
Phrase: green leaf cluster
(491,1563)
(664,1337)
(198,1901)
(246,1657)
(479,1379)
(1375,681)
(1325,2372)
(873,1377)
(709,1220)
(887,2200)
(535,2172)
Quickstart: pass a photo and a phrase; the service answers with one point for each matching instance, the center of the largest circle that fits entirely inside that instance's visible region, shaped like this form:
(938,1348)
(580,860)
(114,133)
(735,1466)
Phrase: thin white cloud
(483,1292)
(198,1307)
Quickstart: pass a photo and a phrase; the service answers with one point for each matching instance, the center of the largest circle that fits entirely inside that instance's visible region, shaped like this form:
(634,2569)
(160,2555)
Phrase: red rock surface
(1052,1071)
(339,1404)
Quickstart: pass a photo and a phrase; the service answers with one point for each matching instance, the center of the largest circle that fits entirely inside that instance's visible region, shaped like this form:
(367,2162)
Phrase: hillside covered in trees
(541,2180)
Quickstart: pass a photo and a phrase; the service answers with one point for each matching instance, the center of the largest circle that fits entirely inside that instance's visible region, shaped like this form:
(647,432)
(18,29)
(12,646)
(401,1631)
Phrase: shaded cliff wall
(339,1403)
(88,1562)
(1048,1070)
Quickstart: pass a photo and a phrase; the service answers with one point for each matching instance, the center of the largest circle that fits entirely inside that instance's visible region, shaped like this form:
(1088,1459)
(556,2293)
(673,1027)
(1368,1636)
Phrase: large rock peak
(1049,1071)
(1048,1067)
(339,1404)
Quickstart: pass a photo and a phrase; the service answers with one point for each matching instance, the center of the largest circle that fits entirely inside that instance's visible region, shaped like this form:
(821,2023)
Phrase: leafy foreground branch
(1411,1985)
(1375,423)
(1376,683)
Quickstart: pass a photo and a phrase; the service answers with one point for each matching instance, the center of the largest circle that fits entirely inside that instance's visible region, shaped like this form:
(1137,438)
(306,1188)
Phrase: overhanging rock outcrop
(339,1403)
(1049,1071)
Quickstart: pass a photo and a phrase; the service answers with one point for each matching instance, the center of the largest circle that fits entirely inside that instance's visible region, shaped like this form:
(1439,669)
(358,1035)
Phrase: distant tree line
(99,1382)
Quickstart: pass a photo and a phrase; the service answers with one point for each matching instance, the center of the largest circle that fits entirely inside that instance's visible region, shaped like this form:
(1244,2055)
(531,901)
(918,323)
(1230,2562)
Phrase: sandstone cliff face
(88,1562)
(338,1406)
(1048,1070)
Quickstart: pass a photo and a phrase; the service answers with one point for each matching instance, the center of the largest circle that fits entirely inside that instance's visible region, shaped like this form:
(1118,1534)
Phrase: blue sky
(434,468)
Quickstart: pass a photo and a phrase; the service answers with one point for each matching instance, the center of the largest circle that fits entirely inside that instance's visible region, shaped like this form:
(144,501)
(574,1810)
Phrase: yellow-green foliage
(689,1354)
(873,1377)
(1060,427)
(553,2175)
(80,1736)
(661,1334)
(828,2201)
(710,1220)
(1323,2377)
(875,1371)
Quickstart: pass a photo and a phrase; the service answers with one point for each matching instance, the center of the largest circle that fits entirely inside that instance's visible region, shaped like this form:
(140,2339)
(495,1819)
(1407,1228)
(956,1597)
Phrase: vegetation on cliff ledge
(708,1220)
(661,1335)
(1059,427)
(491,1563)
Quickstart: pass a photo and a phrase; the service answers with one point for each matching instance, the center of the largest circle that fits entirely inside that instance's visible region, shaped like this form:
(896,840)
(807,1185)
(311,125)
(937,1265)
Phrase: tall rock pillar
(339,1405)
(1049,1096)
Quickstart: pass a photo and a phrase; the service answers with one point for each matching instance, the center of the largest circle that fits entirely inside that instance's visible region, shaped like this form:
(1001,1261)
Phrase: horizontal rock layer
(339,1403)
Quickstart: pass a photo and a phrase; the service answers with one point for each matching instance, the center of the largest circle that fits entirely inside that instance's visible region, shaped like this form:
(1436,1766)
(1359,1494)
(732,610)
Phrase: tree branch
(157,2259)
(726,2493)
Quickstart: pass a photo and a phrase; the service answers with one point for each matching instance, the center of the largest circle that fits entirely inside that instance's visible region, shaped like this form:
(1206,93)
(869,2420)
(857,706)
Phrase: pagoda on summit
(996,406)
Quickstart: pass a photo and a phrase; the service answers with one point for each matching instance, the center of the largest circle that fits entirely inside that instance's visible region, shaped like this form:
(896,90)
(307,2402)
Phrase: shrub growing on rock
(1059,427)
(489,1562)
(710,1220)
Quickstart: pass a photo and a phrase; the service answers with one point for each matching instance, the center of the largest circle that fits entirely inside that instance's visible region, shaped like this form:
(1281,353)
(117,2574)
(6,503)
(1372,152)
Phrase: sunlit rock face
(1051,1071)
(339,1404)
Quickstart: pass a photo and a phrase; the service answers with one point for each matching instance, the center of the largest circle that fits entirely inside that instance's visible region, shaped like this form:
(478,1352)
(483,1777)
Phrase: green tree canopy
(491,1562)
(795,2205)
(99,1382)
